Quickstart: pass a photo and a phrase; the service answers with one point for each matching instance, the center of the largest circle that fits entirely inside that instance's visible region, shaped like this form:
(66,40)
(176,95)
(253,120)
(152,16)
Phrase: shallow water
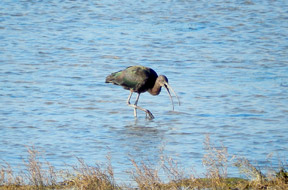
(226,60)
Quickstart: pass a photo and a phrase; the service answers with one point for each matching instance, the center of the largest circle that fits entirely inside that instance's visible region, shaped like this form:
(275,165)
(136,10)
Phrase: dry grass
(35,176)
(39,174)
(148,177)
(216,160)
(145,176)
(100,177)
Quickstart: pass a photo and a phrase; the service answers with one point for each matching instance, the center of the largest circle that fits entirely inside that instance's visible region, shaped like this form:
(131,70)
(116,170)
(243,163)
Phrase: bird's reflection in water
(142,140)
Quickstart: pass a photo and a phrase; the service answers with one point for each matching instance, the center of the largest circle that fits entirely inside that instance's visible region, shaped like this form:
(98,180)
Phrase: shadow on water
(142,138)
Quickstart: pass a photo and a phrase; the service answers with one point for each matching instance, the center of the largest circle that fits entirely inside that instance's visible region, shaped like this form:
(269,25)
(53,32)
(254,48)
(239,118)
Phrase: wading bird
(140,79)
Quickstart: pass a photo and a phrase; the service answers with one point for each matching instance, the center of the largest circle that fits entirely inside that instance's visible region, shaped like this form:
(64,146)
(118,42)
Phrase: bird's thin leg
(150,115)
(129,104)
(129,97)
(136,102)
(137,98)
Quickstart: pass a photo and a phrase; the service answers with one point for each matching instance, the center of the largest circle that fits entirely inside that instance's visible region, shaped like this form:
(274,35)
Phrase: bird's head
(163,81)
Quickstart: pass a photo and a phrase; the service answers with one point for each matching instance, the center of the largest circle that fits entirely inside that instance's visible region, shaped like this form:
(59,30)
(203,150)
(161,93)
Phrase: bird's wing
(134,78)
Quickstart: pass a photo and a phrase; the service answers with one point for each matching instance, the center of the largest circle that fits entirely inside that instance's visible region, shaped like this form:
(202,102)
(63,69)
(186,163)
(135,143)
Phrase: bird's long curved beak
(167,86)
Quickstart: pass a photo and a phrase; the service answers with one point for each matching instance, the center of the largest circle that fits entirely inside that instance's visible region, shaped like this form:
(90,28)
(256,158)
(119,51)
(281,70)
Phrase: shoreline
(39,174)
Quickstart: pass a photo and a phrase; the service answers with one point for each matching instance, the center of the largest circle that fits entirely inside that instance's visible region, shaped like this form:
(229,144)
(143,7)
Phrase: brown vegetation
(40,175)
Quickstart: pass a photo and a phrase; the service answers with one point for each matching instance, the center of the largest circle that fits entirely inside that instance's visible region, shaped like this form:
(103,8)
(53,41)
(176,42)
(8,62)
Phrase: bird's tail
(111,78)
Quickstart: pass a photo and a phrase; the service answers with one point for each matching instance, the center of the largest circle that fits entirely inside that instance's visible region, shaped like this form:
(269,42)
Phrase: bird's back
(137,78)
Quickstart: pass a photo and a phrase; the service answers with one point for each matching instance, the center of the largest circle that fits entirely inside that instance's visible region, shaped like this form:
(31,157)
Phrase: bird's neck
(155,90)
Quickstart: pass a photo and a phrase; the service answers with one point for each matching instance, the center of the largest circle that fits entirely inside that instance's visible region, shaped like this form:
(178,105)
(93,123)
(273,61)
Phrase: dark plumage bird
(140,79)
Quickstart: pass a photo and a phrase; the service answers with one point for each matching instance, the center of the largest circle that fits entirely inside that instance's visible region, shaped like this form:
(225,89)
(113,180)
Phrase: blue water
(226,60)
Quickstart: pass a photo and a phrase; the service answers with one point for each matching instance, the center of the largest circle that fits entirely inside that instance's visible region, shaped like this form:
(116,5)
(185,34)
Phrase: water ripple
(225,59)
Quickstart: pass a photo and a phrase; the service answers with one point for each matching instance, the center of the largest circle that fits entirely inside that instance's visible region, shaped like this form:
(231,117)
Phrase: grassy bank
(42,175)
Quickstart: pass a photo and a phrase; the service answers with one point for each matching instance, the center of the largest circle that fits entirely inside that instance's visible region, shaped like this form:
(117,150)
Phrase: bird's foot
(149,114)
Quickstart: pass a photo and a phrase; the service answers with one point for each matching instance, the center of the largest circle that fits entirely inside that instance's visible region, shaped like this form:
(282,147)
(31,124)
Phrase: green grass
(40,175)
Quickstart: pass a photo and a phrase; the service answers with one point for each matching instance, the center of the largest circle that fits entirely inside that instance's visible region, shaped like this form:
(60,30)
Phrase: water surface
(226,60)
